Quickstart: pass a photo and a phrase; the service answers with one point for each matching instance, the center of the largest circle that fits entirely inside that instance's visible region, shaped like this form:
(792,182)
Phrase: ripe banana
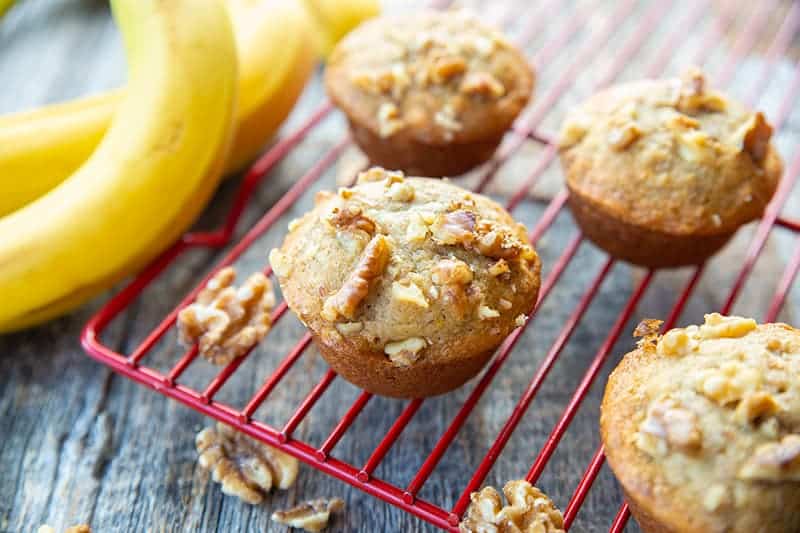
(335,18)
(152,173)
(276,56)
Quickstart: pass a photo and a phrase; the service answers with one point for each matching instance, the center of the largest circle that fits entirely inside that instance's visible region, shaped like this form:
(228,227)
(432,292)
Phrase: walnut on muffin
(407,284)
(661,173)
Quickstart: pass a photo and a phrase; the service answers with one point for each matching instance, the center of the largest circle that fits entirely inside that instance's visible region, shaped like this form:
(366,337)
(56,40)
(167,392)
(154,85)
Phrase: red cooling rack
(747,28)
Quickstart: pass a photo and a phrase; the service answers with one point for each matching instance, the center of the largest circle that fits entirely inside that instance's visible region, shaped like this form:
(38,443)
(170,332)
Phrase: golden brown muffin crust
(400,272)
(702,427)
(433,77)
(671,155)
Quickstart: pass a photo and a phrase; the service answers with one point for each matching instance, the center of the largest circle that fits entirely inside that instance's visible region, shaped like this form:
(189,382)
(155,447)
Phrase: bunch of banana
(93,189)
(276,56)
(153,171)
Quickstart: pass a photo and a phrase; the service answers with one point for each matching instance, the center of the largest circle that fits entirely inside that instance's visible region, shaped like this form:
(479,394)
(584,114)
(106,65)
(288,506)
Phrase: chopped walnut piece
(379,174)
(486,312)
(372,263)
(407,291)
(574,130)
(728,383)
(776,461)
(753,137)
(456,227)
(717,326)
(417,230)
(529,510)
(405,352)
(694,96)
(669,423)
(499,268)
(245,467)
(311,516)
(349,328)
(352,218)
(451,271)
(401,192)
(622,137)
(443,68)
(756,406)
(389,121)
(695,145)
(482,84)
(674,343)
(446,118)
(226,322)
(520,320)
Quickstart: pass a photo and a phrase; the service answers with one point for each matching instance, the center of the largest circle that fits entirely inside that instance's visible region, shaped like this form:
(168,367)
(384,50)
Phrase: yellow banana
(152,173)
(335,18)
(276,55)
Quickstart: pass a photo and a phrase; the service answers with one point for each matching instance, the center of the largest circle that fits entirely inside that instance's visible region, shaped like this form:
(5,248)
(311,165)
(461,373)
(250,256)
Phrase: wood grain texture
(82,445)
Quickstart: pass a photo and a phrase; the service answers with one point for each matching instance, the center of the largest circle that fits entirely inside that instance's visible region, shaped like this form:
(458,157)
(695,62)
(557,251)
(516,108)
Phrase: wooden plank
(83,445)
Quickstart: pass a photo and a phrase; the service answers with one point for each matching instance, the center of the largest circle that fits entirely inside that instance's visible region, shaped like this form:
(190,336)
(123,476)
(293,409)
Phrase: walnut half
(311,516)
(529,510)
(372,263)
(226,322)
(245,467)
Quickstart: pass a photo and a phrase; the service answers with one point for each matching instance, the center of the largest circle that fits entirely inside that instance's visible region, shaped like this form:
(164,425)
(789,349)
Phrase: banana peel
(154,170)
(276,56)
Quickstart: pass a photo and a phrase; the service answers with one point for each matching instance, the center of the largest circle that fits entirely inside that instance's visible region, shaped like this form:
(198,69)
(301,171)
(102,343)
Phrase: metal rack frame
(361,476)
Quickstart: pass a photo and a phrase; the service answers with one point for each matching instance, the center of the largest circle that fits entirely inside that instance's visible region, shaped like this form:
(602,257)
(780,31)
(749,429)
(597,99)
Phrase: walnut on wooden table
(245,467)
(528,510)
(311,516)
(224,321)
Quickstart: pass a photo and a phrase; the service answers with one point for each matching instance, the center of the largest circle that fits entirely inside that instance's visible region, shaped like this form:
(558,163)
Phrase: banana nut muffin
(407,284)
(430,93)
(662,173)
(702,427)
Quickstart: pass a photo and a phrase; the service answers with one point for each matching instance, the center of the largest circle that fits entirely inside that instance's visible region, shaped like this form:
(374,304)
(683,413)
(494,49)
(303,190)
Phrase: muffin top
(408,268)
(432,76)
(671,155)
(704,422)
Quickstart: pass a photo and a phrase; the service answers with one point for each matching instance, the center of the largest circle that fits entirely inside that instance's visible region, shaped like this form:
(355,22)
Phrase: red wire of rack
(524,130)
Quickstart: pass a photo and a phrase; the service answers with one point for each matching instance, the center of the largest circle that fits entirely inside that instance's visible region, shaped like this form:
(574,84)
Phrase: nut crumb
(528,510)
(351,218)
(389,121)
(520,320)
(669,423)
(311,516)
(754,137)
(775,461)
(499,268)
(621,138)
(717,326)
(482,84)
(245,467)
(372,263)
(407,291)
(485,312)
(405,352)
(226,322)
(456,227)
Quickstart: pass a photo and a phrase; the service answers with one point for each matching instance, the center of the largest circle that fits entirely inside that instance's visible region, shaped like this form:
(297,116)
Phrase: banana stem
(4,6)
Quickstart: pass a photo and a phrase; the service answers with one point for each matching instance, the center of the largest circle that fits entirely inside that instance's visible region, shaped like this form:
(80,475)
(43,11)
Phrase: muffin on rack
(407,285)
(430,93)
(662,173)
(702,427)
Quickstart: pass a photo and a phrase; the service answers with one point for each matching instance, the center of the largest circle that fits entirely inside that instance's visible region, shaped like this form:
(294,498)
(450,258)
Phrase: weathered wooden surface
(82,445)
